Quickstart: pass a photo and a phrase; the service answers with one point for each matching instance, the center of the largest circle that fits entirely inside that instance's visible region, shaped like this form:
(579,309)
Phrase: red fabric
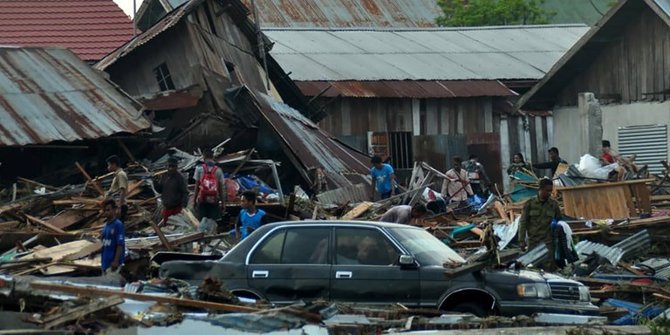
(90,28)
(167,213)
(607,158)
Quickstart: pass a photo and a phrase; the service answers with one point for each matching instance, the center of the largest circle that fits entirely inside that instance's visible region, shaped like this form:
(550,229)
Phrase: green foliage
(660,326)
(461,13)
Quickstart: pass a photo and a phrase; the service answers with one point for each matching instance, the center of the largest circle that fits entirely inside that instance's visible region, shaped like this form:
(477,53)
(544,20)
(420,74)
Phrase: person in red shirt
(608,156)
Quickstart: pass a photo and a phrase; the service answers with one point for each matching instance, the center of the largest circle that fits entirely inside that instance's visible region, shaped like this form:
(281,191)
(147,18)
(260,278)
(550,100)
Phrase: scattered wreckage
(424,277)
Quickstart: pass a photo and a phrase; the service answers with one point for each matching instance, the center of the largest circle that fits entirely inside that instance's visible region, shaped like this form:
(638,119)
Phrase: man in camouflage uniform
(536,219)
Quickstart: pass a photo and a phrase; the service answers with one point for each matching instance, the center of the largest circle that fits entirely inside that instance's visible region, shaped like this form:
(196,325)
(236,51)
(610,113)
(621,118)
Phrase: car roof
(342,222)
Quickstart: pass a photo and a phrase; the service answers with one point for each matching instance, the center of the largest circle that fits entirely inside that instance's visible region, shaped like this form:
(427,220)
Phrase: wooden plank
(66,251)
(88,291)
(160,234)
(90,180)
(605,185)
(81,311)
(191,218)
(46,224)
(475,231)
(500,209)
(71,217)
(357,211)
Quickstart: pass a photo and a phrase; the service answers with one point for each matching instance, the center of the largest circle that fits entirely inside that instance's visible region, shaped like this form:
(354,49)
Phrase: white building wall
(634,114)
(568,133)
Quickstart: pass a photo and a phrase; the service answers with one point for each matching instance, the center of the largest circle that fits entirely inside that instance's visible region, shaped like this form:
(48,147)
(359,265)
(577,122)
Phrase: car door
(292,264)
(366,269)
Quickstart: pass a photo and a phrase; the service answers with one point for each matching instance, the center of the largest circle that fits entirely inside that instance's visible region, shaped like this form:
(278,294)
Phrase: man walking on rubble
(404,214)
(383,178)
(119,186)
(552,164)
(250,218)
(479,180)
(457,185)
(174,191)
(210,195)
(536,219)
(113,239)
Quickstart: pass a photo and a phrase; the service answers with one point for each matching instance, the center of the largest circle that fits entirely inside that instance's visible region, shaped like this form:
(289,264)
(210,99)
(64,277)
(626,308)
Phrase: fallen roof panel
(311,146)
(51,95)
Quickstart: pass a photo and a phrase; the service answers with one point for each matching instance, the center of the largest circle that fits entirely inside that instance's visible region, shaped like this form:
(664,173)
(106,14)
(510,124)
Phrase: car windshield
(427,249)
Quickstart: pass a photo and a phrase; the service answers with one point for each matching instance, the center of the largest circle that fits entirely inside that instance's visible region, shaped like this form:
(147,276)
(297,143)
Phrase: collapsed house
(55,109)
(187,69)
(383,78)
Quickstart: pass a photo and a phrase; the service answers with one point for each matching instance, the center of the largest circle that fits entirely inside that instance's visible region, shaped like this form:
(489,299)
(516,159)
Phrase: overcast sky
(127,5)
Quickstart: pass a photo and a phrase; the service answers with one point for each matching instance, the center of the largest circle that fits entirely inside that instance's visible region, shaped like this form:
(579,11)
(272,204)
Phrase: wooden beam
(46,224)
(89,179)
(357,211)
(160,234)
(125,149)
(81,311)
(95,292)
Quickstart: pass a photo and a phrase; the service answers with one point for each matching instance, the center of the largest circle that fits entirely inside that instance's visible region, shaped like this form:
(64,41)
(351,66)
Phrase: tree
(460,13)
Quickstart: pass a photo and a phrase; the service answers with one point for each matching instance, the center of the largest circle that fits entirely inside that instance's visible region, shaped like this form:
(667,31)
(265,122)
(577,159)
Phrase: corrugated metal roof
(405,89)
(164,24)
(335,13)
(487,53)
(50,94)
(310,145)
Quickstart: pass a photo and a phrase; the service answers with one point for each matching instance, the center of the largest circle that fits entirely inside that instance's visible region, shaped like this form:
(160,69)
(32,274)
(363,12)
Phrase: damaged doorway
(394,145)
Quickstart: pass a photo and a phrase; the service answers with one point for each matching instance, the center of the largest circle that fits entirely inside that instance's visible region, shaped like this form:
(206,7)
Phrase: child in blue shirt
(113,239)
(250,218)
(383,178)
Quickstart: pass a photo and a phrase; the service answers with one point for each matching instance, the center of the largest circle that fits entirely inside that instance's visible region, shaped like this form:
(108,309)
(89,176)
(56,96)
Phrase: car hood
(525,276)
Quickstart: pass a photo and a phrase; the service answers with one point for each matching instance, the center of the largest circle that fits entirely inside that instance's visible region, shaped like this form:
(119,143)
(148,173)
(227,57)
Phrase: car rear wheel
(471,307)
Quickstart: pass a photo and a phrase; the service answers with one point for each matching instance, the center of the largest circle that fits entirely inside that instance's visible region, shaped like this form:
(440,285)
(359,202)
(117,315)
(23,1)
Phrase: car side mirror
(406,260)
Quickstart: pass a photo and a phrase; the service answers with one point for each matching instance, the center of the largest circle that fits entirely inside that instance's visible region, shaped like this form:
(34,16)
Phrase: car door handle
(260,274)
(343,275)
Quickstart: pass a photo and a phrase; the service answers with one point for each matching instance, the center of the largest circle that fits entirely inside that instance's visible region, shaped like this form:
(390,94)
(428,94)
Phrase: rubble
(54,235)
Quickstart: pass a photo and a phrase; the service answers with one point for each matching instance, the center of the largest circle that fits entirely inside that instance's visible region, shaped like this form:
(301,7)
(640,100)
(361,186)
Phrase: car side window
(360,246)
(269,251)
(307,246)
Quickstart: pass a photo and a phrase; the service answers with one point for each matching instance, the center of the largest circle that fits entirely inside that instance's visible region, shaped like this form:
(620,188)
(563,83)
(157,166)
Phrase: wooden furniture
(618,200)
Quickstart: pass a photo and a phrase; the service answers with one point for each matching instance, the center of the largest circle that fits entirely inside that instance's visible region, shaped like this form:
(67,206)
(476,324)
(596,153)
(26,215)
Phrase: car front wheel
(470,307)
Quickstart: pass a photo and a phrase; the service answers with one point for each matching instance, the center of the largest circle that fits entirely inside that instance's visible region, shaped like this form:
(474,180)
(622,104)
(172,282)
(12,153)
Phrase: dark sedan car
(375,263)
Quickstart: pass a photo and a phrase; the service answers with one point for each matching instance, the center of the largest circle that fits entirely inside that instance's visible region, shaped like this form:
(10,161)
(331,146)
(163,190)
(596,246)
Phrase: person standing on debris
(554,161)
(479,180)
(113,239)
(250,218)
(210,195)
(457,186)
(404,214)
(319,184)
(518,165)
(119,185)
(537,216)
(174,191)
(383,178)
(608,157)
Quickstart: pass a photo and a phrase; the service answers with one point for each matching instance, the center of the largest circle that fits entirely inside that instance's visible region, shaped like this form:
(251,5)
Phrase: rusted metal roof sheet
(334,13)
(405,89)
(311,146)
(479,53)
(49,94)
(164,24)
